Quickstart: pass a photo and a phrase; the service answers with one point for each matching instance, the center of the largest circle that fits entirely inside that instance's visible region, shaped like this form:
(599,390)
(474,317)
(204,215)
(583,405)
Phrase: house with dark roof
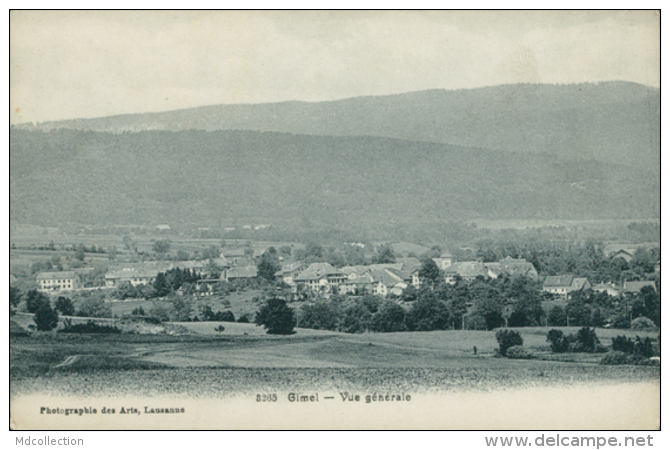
(288,273)
(57,281)
(634,287)
(385,280)
(136,273)
(361,283)
(380,279)
(564,284)
(512,267)
(240,272)
(624,254)
(321,276)
(467,270)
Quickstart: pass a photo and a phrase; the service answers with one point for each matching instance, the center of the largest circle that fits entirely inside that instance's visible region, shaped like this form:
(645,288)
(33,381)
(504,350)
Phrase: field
(238,302)
(244,359)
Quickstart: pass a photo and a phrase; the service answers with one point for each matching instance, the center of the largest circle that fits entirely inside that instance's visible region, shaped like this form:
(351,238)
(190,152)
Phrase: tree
(181,309)
(488,304)
(14,296)
(410,294)
(578,309)
(94,307)
(321,315)
(507,339)
(389,318)
(355,319)
(80,254)
(161,285)
(527,299)
(587,339)
(267,269)
(557,317)
(212,252)
(64,306)
(652,304)
(46,318)
(429,271)
(161,246)
(127,242)
(34,300)
(428,313)
(276,317)
(269,264)
(557,341)
(384,255)
(161,311)
(125,290)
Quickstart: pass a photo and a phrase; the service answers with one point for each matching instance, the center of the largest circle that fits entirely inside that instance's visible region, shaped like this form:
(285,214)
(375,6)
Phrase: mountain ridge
(609,121)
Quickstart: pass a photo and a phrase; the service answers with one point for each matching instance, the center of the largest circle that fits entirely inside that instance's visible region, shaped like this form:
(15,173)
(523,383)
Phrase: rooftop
(55,275)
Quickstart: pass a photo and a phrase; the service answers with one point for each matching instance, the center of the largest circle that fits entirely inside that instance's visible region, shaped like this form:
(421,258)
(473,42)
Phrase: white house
(56,281)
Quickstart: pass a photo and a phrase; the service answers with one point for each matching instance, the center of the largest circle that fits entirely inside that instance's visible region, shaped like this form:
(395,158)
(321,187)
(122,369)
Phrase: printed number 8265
(266,397)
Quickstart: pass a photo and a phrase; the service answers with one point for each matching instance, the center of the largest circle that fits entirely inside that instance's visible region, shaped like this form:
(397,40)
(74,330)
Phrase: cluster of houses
(563,285)
(394,278)
(380,279)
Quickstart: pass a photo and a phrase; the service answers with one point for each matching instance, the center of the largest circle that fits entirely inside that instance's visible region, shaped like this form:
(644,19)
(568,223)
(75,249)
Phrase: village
(478,294)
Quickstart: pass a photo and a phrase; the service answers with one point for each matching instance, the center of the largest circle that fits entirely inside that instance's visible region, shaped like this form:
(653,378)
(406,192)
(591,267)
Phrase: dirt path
(68,361)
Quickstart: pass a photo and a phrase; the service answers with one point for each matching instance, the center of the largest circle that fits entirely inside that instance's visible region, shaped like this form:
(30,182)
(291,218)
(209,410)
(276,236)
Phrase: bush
(276,317)
(161,311)
(639,347)
(557,341)
(507,339)
(64,306)
(94,307)
(518,352)
(46,318)
(617,358)
(244,318)
(643,347)
(643,324)
(623,344)
(475,323)
(89,327)
(621,321)
(600,348)
(587,339)
(225,316)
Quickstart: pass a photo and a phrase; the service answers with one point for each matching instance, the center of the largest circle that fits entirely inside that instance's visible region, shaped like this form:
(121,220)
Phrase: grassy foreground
(213,365)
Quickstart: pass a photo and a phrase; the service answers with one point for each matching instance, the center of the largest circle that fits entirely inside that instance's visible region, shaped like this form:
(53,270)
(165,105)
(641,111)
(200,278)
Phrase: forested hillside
(70,176)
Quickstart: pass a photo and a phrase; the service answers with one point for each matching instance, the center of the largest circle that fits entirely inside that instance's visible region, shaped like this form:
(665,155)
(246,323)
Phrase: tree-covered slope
(210,177)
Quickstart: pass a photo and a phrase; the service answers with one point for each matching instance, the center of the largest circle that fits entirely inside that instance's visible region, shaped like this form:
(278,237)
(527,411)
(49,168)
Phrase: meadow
(243,359)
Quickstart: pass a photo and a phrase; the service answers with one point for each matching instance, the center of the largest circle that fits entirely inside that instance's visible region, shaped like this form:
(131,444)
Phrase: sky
(82,64)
